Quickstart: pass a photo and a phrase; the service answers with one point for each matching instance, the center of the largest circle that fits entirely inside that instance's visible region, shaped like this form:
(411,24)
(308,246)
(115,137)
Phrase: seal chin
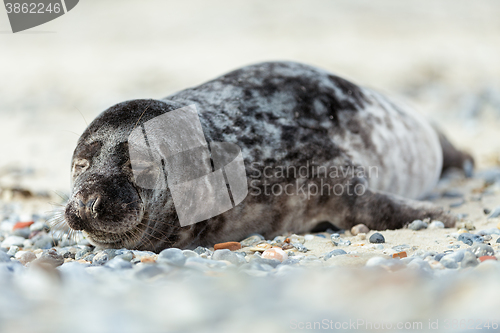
(116,240)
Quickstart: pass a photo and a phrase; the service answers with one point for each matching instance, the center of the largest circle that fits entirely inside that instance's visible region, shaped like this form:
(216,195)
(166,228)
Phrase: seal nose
(88,209)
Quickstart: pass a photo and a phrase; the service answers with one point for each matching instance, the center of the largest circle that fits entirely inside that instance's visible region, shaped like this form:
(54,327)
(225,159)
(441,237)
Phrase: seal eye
(80,165)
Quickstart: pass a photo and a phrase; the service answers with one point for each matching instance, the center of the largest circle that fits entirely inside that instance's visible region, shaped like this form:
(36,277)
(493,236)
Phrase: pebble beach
(414,276)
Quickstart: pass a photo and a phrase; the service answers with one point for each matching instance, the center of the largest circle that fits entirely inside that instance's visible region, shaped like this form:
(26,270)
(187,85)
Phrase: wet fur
(280,114)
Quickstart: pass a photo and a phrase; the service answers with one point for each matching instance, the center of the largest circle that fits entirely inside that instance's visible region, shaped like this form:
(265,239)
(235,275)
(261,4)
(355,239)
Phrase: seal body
(316,148)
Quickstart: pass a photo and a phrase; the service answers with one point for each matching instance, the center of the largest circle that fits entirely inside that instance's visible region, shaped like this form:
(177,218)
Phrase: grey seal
(303,132)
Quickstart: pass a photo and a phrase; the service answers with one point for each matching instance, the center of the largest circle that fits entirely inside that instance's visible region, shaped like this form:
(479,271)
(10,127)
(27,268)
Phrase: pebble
(226,254)
(361,236)
(483,258)
(399,248)
(401,254)
(421,265)
(458,255)
(80,254)
(309,237)
(436,225)
(89,257)
(22,225)
(498,240)
(12,241)
(233,246)
(39,226)
(21,232)
(124,254)
(337,241)
(482,250)
(469,239)
(391,264)
(190,254)
(118,263)
(359,229)
(466,225)
(13,250)
(377,238)
(457,203)
(148,271)
(452,194)
(300,247)
(495,213)
(51,256)
(100,258)
(491,231)
(468,260)
(175,257)
(67,252)
(417,225)
(4,257)
(336,252)
(43,241)
(297,239)
(203,251)
(147,259)
(275,253)
(486,211)
(252,239)
(449,262)
(290,261)
(263,262)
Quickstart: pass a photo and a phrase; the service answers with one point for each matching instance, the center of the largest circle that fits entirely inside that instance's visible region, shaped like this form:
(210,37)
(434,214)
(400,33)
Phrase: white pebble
(275,253)
(309,237)
(436,225)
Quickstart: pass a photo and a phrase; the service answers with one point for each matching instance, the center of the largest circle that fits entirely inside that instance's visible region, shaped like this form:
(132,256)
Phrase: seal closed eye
(283,115)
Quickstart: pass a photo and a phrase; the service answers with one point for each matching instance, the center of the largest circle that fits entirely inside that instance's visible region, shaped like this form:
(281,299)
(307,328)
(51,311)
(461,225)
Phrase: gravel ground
(421,275)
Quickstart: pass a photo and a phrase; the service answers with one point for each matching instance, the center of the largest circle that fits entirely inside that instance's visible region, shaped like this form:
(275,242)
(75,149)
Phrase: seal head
(105,202)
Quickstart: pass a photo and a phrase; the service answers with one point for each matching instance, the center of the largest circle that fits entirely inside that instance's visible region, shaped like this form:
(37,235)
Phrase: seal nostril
(89,208)
(94,206)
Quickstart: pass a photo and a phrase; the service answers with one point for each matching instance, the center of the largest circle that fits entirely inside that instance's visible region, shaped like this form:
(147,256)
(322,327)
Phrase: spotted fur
(283,115)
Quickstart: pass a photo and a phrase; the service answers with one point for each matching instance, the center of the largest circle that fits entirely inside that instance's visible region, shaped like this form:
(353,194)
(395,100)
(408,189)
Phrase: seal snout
(82,211)
(88,210)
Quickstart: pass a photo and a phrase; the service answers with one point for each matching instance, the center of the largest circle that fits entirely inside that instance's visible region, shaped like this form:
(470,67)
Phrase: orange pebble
(21,225)
(400,255)
(147,260)
(483,258)
(233,246)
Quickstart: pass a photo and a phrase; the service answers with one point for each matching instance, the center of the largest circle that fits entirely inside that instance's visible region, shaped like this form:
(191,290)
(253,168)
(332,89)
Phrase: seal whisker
(154,229)
(142,114)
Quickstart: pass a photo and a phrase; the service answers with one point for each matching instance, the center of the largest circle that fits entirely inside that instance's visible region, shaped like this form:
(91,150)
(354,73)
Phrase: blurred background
(441,56)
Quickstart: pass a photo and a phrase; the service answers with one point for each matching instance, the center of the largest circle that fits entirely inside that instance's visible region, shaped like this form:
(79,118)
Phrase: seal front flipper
(381,211)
